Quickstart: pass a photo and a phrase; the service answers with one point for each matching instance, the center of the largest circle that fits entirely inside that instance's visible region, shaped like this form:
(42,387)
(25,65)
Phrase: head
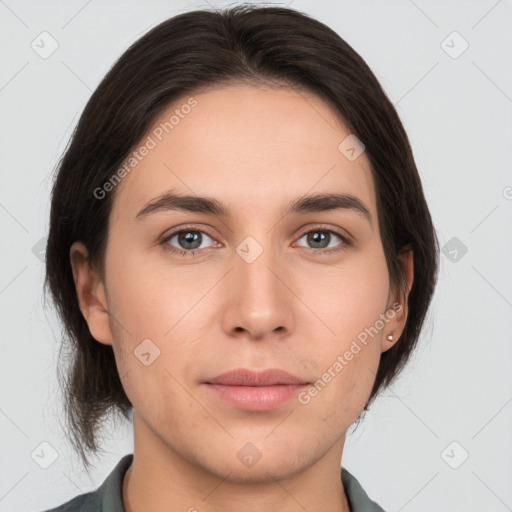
(255,109)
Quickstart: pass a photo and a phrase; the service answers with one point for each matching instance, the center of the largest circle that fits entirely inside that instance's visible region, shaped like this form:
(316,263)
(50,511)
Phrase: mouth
(254,390)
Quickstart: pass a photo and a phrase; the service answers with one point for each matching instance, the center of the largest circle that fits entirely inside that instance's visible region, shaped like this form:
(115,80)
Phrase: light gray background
(457,112)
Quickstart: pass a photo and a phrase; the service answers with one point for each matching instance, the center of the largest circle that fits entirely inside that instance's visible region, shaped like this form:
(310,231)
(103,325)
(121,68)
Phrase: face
(190,295)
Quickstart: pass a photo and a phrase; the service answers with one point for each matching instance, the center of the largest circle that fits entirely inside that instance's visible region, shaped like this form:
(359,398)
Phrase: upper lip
(243,377)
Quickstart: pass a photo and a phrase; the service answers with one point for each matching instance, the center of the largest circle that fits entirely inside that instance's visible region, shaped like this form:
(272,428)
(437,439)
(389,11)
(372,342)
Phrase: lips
(255,390)
(244,377)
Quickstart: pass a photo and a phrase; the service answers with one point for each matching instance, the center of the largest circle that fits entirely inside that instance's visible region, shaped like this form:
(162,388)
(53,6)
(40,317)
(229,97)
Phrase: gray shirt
(109,496)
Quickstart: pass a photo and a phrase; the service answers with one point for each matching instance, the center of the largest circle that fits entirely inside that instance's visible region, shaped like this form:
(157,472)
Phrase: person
(242,257)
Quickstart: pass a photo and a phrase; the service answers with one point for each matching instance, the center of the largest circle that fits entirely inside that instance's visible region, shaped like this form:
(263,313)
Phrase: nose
(259,301)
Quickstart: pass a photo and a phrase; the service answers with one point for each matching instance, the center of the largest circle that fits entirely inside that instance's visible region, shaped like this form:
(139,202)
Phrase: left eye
(321,239)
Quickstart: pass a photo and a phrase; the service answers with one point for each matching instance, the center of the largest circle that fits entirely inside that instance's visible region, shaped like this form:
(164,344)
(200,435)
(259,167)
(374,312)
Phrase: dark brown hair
(180,56)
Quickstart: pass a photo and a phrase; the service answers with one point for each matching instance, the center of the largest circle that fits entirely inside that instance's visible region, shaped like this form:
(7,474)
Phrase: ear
(91,294)
(398,303)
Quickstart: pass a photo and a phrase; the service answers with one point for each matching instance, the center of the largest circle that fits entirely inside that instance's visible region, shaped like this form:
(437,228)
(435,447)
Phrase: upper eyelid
(187,228)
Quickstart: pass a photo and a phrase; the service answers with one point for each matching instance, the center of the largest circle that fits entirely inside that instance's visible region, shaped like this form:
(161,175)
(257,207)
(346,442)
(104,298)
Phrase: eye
(186,241)
(323,239)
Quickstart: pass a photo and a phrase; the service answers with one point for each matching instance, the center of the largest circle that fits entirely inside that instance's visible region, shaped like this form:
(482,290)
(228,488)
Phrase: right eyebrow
(173,201)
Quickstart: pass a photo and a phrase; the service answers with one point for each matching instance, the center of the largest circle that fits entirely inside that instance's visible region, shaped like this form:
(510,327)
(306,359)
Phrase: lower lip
(256,398)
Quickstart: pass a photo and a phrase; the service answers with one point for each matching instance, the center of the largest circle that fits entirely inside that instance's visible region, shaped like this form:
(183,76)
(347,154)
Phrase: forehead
(252,146)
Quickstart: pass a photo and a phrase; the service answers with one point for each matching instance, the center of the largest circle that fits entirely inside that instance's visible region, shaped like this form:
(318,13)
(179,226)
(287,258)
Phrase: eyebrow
(305,204)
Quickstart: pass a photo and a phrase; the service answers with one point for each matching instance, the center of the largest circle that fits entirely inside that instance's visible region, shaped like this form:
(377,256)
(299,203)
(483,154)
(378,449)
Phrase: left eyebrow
(210,206)
(326,202)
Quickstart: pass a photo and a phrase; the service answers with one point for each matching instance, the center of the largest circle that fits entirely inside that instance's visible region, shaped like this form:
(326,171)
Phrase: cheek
(349,297)
(342,387)
(146,306)
(152,298)
(350,301)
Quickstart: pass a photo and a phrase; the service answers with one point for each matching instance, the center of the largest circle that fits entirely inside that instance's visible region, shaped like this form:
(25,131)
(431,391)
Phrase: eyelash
(345,242)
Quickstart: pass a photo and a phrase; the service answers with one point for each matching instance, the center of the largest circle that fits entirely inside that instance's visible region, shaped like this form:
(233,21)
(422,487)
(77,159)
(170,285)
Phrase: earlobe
(395,328)
(90,294)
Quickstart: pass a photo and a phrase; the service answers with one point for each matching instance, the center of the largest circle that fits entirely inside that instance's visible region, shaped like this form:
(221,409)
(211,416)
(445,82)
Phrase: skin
(254,149)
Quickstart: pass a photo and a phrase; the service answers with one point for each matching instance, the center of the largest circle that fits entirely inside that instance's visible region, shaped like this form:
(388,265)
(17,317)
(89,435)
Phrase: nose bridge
(257,299)
(256,270)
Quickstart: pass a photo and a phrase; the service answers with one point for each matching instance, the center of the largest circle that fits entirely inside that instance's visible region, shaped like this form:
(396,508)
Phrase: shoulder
(88,502)
(358,500)
(108,497)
